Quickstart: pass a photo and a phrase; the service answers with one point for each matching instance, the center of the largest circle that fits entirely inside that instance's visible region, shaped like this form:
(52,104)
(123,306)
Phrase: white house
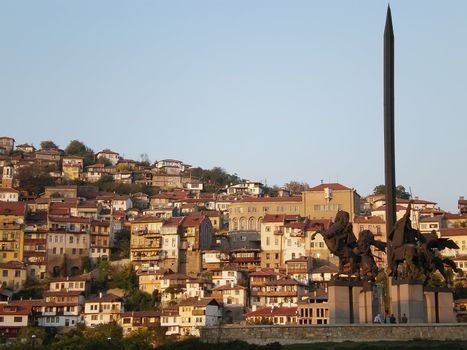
(8,195)
(102,309)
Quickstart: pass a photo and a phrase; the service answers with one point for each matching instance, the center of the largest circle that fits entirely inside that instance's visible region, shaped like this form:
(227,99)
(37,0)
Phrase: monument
(352,286)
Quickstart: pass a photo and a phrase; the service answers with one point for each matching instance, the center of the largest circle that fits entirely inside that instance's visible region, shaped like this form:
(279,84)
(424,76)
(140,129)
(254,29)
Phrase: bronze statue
(419,251)
(354,254)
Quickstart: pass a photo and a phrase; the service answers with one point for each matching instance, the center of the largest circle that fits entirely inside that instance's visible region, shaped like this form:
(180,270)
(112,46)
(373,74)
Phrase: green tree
(48,144)
(400,191)
(106,183)
(34,178)
(122,245)
(78,148)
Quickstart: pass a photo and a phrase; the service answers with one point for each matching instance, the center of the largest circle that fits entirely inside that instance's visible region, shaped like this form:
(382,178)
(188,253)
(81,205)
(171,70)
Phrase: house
(50,156)
(325,200)
(197,235)
(72,167)
(146,241)
(196,313)
(284,291)
(231,295)
(249,188)
(149,279)
(170,318)
(81,283)
(226,275)
(244,248)
(60,309)
(13,275)
(300,269)
(8,195)
(12,219)
(459,236)
(108,155)
(101,240)
(248,213)
(313,308)
(7,144)
(462,205)
(115,202)
(321,275)
(35,244)
(282,315)
(135,320)
(26,148)
(272,243)
(171,166)
(67,242)
(258,280)
(103,309)
(13,317)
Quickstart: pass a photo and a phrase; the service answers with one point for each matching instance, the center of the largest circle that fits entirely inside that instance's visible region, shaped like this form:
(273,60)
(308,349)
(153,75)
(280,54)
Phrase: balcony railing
(277,294)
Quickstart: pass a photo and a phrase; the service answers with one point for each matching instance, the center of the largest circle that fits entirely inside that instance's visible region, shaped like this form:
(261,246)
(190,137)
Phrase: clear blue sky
(276,90)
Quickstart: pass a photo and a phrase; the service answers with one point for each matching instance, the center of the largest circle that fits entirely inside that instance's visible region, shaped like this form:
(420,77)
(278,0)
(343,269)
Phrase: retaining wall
(296,334)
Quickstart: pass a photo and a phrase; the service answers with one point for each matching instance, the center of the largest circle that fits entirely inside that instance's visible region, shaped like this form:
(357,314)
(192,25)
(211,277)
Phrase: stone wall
(334,333)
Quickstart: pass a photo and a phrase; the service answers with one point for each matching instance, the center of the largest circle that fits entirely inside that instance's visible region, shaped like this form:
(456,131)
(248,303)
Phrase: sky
(271,90)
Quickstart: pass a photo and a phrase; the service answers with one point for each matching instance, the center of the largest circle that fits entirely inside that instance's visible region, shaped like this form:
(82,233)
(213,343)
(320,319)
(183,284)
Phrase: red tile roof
(269,199)
(12,208)
(332,186)
(368,220)
(8,190)
(273,311)
(449,232)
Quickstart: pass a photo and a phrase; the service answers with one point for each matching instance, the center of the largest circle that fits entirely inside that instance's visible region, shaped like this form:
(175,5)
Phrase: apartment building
(325,200)
(102,309)
(248,213)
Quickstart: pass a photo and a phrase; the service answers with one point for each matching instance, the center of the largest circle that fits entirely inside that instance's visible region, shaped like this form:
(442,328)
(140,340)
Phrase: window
(5,273)
(18,319)
(71,239)
(268,241)
(17,273)
(73,251)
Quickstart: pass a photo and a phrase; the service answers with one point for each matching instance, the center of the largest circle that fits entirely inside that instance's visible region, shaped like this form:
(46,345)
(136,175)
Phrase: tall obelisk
(389,154)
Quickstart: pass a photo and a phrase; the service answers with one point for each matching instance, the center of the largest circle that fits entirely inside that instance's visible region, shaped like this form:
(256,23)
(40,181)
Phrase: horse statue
(352,253)
(406,244)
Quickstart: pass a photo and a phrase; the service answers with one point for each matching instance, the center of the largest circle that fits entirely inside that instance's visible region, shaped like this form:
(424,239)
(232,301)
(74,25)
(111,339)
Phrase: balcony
(198,313)
(277,294)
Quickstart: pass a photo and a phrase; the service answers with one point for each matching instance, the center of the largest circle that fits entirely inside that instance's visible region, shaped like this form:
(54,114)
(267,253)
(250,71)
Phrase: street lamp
(109,339)
(33,341)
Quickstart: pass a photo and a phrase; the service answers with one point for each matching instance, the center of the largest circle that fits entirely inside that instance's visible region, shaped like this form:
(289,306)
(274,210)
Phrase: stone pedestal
(407,298)
(439,305)
(344,298)
(369,303)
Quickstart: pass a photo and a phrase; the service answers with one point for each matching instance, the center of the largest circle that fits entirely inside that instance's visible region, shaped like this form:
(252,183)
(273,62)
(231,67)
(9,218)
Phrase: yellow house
(248,213)
(325,200)
(72,167)
(12,216)
(12,275)
(146,241)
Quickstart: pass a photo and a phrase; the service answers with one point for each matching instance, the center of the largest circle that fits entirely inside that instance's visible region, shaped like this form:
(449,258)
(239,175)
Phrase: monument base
(369,303)
(407,301)
(439,305)
(343,296)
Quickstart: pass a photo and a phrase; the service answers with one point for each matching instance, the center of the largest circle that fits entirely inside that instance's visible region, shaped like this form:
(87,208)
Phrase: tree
(296,187)
(400,191)
(77,148)
(34,178)
(48,144)
(122,244)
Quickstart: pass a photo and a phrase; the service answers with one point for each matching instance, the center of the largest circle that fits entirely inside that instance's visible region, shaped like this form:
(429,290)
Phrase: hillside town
(94,238)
